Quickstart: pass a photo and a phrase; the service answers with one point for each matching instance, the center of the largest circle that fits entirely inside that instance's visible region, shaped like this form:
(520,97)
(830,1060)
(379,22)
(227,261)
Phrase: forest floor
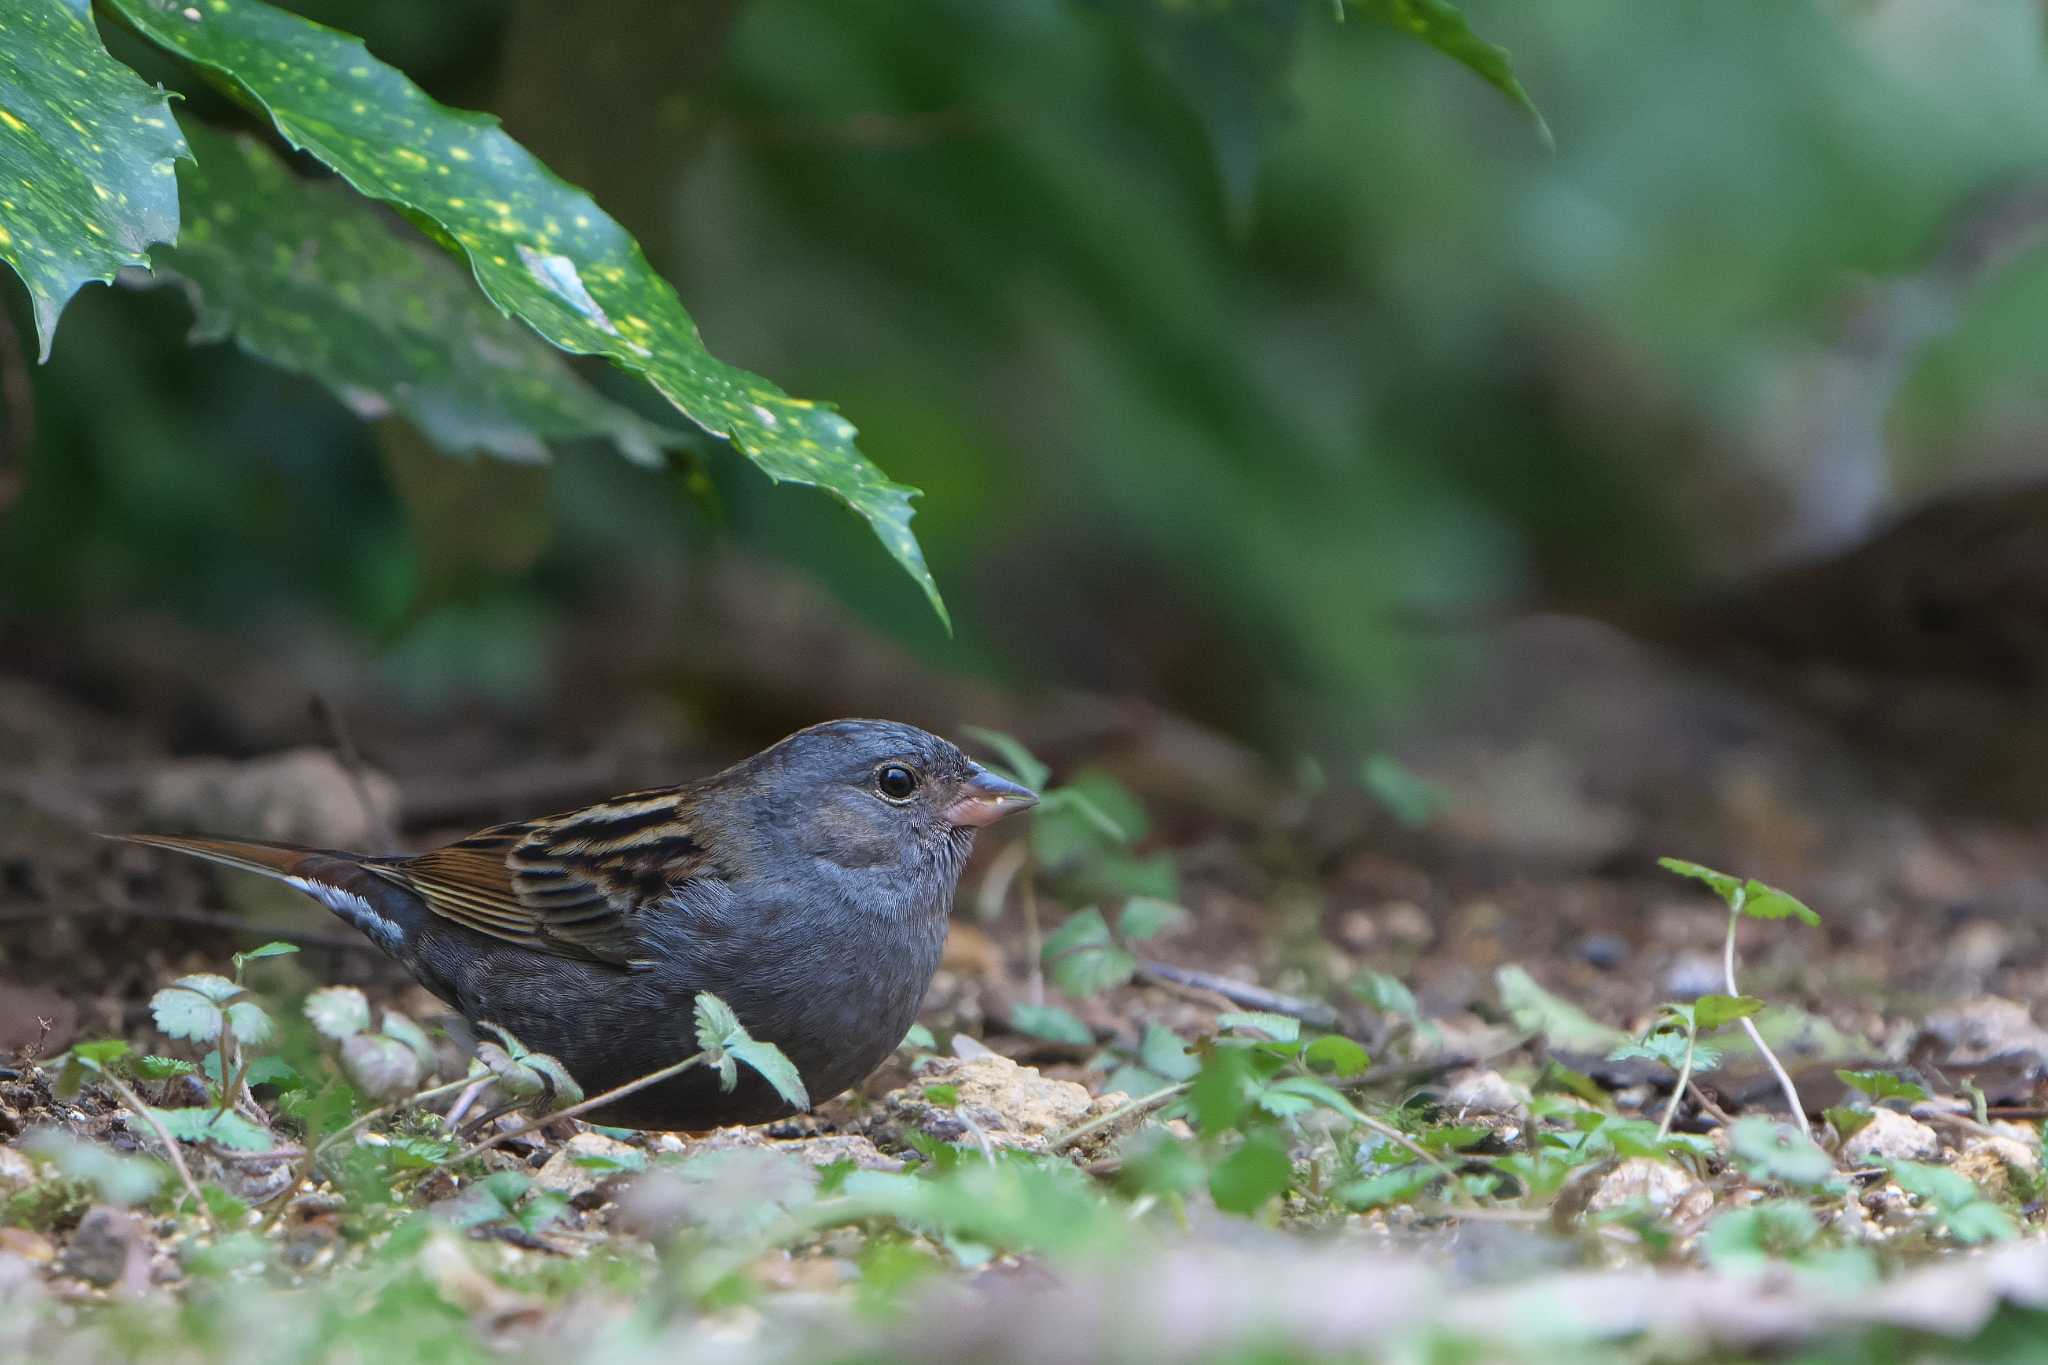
(1123,1130)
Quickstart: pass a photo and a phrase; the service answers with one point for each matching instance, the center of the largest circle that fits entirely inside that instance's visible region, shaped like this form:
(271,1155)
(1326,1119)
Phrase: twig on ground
(163,1135)
(617,1092)
(1061,1141)
(1241,993)
(1706,1103)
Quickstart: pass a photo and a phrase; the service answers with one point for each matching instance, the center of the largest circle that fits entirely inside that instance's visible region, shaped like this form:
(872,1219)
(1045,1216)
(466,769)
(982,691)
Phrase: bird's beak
(986,798)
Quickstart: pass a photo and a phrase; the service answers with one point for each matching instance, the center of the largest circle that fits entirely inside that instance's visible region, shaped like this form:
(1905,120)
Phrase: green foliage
(1750,897)
(1440,24)
(526,1073)
(1412,801)
(315,280)
(86,151)
(1955,1201)
(1881,1085)
(727,1043)
(197,1008)
(1049,1022)
(1562,1023)
(541,249)
(1779,1155)
(1084,959)
(338,1011)
(115,1178)
(204,1123)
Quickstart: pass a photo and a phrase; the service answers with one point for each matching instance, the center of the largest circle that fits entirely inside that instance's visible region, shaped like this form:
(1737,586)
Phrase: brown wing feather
(574,884)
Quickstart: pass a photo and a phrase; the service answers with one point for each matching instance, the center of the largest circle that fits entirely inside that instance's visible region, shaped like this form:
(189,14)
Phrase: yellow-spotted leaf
(540,248)
(85,157)
(312,278)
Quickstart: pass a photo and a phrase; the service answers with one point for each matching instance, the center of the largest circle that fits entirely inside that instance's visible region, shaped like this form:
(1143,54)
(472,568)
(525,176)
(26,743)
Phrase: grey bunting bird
(808,887)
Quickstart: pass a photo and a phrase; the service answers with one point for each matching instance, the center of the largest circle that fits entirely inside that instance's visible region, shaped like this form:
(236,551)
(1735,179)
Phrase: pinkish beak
(987,798)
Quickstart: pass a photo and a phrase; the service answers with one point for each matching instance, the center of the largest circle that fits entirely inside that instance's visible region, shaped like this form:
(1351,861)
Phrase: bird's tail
(345,883)
(282,861)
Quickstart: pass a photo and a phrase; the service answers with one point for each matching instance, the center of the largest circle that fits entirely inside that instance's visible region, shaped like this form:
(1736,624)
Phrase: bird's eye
(896,782)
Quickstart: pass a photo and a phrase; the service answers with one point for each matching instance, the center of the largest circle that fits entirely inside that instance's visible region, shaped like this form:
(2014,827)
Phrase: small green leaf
(1718,1011)
(1163,1052)
(205,1124)
(1768,902)
(1982,1221)
(541,249)
(1384,993)
(1769,1152)
(1254,1173)
(1665,1046)
(396,1025)
(338,1011)
(1146,917)
(1881,1085)
(1724,886)
(252,1023)
(154,1068)
(1566,1026)
(920,1039)
(776,1068)
(1848,1122)
(185,1013)
(274,1071)
(1337,1055)
(119,1179)
(1396,1186)
(716,1023)
(1083,959)
(625,1160)
(86,153)
(1051,1023)
(1281,1028)
(1321,1093)
(217,989)
(1023,765)
(1944,1188)
(272,949)
(104,1053)
(1412,801)
(1749,1239)
(380,1066)
(1440,24)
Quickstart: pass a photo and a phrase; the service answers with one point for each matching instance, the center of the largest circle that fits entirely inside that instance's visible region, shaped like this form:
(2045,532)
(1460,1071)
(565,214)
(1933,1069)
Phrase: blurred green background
(1228,342)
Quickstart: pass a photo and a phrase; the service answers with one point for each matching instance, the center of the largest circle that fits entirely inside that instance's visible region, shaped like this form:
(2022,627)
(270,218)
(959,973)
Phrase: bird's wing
(576,884)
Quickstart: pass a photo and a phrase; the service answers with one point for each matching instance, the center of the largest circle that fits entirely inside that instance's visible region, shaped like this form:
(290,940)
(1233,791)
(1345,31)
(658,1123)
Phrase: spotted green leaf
(1441,25)
(85,157)
(314,279)
(540,248)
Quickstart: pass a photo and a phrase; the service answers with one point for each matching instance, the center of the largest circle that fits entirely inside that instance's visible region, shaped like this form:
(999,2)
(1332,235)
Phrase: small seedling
(1754,900)
(1674,1039)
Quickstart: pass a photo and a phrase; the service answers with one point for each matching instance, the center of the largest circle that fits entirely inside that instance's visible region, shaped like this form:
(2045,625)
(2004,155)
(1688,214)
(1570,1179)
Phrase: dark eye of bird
(896,782)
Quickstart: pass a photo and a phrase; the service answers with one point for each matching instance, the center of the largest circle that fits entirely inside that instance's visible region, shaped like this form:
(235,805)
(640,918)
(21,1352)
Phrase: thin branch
(1241,993)
(163,1135)
(1062,1141)
(615,1093)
